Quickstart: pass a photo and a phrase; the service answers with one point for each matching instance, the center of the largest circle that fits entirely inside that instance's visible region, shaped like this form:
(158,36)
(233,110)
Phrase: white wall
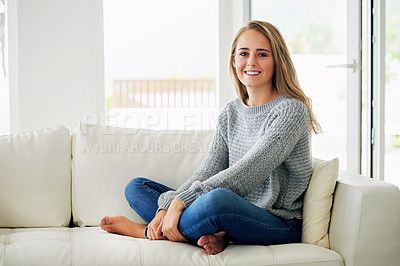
(56,63)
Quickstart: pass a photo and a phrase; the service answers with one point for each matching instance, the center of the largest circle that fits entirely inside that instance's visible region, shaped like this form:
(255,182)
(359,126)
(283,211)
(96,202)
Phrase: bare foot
(123,226)
(215,243)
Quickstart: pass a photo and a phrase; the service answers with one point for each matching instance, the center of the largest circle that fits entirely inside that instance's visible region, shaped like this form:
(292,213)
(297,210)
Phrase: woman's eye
(243,54)
(262,55)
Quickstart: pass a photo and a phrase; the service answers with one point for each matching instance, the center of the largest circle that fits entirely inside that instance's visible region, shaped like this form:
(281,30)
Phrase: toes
(104,227)
(203,241)
(212,244)
(210,250)
(108,229)
(106,224)
(105,220)
(111,219)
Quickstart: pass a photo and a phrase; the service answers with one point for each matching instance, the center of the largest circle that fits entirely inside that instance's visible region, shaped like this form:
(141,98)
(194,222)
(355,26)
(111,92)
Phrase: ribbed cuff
(187,197)
(164,205)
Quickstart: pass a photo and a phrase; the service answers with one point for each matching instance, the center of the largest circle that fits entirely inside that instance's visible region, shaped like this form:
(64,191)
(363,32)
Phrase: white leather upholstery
(35,178)
(92,246)
(364,228)
(365,224)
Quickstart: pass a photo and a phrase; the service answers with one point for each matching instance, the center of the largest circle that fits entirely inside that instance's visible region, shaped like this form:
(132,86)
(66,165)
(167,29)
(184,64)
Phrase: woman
(249,189)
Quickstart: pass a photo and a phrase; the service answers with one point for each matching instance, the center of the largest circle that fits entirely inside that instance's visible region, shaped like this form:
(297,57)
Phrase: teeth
(252,72)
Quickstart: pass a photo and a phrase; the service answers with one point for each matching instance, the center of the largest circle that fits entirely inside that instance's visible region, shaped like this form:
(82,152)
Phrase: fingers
(159,232)
(171,221)
(155,235)
(151,232)
(165,226)
(173,234)
(154,231)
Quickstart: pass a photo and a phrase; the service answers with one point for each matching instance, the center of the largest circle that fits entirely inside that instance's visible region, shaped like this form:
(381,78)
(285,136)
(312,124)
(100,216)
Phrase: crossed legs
(211,221)
(149,191)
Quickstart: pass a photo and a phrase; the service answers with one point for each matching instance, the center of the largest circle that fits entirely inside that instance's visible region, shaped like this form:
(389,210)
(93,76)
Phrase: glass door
(392,93)
(323,38)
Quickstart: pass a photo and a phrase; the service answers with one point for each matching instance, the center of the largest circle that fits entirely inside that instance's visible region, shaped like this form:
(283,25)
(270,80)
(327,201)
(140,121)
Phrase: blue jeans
(215,211)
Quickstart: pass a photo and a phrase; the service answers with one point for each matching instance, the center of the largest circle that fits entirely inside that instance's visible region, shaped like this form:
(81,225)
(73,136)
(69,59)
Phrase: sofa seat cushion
(92,246)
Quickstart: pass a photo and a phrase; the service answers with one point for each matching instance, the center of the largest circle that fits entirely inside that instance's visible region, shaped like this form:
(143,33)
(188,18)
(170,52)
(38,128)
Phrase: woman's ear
(233,62)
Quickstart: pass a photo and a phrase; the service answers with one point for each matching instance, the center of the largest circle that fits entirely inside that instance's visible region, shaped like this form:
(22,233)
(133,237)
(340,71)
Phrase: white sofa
(55,187)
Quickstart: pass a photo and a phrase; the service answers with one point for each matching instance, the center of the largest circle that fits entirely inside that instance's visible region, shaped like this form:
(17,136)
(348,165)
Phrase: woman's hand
(154,229)
(171,220)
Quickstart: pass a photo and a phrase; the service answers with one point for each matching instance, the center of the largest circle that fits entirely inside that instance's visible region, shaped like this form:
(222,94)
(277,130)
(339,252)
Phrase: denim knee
(218,200)
(218,194)
(132,187)
(207,213)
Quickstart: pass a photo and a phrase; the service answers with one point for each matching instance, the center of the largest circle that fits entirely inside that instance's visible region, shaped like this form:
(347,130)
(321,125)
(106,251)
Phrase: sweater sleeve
(215,161)
(289,125)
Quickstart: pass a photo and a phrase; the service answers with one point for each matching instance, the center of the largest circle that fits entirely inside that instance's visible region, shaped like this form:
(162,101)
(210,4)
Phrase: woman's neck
(257,98)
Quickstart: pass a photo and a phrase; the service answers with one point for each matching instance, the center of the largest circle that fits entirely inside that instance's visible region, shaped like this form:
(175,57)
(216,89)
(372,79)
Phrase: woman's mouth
(252,72)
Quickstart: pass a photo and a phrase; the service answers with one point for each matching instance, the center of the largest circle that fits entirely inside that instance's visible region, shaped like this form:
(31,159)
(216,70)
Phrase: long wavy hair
(284,79)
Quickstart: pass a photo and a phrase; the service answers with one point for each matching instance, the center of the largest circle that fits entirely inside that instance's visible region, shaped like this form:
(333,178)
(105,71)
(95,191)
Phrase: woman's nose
(252,61)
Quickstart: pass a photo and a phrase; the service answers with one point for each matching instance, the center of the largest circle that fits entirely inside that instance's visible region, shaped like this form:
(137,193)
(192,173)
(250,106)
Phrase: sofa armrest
(365,223)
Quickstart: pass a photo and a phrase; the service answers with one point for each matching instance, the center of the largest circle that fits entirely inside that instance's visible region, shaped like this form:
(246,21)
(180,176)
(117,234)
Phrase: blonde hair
(284,79)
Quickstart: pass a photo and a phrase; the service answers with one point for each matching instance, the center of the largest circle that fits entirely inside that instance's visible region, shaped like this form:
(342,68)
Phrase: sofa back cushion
(105,159)
(35,177)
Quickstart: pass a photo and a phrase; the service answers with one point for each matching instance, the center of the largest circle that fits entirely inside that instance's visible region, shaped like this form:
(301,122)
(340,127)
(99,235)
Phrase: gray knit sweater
(262,153)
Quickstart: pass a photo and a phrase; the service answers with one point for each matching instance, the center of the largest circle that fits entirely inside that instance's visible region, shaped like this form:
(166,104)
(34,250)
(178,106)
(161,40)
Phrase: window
(392,92)
(317,41)
(160,63)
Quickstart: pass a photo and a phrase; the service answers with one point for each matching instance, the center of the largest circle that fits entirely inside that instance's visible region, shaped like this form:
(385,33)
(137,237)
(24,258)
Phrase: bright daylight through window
(316,37)
(392,92)
(160,63)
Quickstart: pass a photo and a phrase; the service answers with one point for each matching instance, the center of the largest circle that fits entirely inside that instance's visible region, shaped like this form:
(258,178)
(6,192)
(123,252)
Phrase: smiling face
(253,60)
